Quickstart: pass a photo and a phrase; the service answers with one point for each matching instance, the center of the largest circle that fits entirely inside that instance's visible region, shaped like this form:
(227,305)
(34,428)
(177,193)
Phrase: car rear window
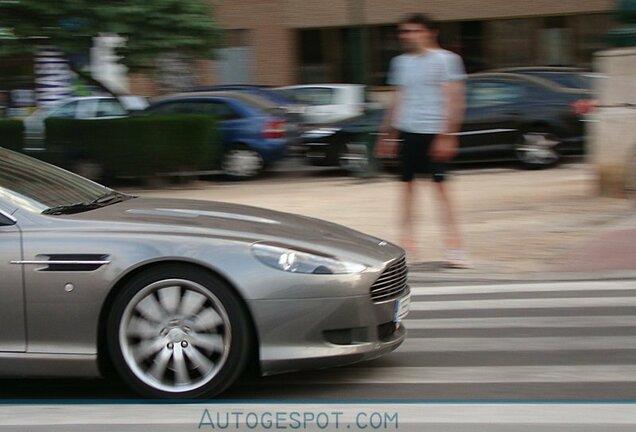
(564,79)
(109,108)
(217,108)
(315,95)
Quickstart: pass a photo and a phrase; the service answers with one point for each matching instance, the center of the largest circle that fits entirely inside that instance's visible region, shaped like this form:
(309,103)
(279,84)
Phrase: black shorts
(415,157)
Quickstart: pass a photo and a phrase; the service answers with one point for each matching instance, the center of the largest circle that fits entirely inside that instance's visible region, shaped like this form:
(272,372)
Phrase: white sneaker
(456,259)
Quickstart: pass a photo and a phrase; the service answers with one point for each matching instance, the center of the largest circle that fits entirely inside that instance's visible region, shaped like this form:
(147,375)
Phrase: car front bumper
(325,332)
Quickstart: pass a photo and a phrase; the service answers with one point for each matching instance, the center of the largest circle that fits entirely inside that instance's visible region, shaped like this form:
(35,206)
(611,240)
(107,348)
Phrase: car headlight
(296,261)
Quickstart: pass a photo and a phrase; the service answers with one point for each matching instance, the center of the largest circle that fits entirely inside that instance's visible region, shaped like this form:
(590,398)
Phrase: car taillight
(274,129)
(583,106)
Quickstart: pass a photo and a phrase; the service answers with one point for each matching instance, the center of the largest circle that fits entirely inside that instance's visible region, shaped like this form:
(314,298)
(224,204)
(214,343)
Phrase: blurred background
(274,80)
(293,42)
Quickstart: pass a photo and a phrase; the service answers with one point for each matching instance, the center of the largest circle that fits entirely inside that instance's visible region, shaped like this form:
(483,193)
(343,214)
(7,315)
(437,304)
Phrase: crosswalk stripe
(590,300)
(507,322)
(419,289)
(563,343)
(578,302)
(470,374)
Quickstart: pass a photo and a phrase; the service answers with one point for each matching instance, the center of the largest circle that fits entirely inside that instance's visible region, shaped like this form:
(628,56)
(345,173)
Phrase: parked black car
(347,144)
(568,77)
(509,116)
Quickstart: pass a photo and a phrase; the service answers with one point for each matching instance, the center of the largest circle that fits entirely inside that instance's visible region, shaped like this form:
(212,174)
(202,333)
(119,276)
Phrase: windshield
(37,186)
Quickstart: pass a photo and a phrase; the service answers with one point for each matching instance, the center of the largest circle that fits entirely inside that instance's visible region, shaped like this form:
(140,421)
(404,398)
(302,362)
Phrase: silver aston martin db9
(178,296)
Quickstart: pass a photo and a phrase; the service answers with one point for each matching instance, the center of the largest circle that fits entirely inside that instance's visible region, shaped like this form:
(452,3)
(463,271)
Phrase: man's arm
(385,145)
(386,142)
(446,144)
(455,96)
(454,91)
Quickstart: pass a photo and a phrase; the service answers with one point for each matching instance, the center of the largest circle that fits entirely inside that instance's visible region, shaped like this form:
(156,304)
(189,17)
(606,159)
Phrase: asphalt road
(565,341)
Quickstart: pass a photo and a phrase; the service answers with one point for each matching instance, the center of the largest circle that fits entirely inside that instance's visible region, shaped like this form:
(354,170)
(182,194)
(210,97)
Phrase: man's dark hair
(421,19)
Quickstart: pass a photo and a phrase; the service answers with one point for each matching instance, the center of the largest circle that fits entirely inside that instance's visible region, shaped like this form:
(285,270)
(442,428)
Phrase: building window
(313,67)
(555,44)
(511,42)
(235,59)
(383,46)
(237,38)
(588,32)
(471,45)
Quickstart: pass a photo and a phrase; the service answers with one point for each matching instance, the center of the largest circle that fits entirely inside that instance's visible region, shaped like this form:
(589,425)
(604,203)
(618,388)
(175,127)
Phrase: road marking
(419,290)
(507,322)
(531,343)
(585,302)
(465,375)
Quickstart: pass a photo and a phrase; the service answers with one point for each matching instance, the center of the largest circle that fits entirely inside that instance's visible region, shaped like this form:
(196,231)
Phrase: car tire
(353,157)
(538,148)
(178,332)
(241,163)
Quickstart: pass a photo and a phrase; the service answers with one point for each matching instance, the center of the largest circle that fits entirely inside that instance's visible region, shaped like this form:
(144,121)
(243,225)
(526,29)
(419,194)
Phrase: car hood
(233,221)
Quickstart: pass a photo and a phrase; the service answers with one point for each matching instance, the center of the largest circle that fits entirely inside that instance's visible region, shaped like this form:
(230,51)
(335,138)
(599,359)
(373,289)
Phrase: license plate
(402,308)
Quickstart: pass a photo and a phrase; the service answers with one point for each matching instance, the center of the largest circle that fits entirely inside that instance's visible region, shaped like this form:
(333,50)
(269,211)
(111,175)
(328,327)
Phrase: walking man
(425,115)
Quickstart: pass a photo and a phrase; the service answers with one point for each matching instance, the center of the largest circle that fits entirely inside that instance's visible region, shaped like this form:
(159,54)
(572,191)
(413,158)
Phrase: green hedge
(137,146)
(11,134)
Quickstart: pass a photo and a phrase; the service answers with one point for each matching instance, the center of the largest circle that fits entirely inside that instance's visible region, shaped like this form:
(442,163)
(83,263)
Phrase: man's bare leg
(408,218)
(452,237)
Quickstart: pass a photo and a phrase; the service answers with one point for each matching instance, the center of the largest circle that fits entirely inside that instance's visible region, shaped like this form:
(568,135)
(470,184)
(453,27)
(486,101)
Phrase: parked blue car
(281,98)
(254,132)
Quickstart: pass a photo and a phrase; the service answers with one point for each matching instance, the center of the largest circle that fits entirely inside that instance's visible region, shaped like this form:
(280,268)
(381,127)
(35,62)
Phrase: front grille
(392,282)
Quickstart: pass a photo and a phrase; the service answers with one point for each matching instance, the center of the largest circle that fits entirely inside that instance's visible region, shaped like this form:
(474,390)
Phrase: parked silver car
(86,107)
(328,103)
(177,296)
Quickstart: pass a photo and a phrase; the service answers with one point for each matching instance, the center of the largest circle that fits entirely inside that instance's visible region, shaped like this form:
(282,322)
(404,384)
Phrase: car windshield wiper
(112,197)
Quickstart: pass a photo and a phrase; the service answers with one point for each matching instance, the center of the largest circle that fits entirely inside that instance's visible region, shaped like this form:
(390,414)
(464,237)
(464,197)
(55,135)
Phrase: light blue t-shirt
(420,78)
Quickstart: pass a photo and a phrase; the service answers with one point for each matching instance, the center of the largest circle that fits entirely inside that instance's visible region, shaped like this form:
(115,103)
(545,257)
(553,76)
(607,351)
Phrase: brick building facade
(277,42)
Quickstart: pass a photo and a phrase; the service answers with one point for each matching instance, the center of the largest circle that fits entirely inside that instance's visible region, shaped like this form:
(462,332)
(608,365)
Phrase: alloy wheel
(538,149)
(242,163)
(175,335)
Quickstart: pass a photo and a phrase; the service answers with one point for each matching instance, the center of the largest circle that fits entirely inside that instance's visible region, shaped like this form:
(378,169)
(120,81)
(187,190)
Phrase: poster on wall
(53,77)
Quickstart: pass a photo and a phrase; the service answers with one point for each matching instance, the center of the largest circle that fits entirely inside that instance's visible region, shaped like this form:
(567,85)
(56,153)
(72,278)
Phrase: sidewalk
(610,254)
(518,225)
